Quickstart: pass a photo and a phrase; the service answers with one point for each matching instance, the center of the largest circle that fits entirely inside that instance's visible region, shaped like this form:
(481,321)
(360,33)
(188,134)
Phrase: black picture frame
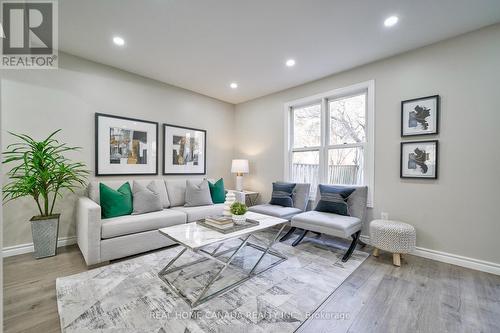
(438,106)
(436,168)
(165,125)
(96,147)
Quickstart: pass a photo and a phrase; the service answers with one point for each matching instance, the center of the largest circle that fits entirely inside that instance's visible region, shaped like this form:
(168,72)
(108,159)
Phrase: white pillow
(197,194)
(145,199)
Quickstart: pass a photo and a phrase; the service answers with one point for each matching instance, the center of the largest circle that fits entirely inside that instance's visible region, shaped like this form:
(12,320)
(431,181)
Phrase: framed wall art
(420,116)
(419,159)
(184,150)
(125,146)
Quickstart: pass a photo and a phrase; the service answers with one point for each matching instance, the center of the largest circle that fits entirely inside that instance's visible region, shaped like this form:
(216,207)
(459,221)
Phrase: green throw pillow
(115,202)
(217,191)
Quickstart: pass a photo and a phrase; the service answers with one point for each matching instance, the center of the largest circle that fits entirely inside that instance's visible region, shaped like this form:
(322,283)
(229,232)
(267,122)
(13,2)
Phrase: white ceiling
(203,45)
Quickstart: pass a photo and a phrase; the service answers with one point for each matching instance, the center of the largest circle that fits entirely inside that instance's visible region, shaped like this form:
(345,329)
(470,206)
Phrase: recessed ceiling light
(290,62)
(391,21)
(118,41)
(233,85)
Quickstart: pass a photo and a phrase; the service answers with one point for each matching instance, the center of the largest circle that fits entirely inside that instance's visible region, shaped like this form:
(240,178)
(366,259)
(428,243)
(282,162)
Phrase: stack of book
(222,222)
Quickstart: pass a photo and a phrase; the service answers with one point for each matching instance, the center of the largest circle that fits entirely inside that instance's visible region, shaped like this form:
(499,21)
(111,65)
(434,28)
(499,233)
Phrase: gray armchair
(300,199)
(333,224)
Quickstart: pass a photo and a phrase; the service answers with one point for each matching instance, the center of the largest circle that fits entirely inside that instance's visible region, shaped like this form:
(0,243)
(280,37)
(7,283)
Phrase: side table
(248,197)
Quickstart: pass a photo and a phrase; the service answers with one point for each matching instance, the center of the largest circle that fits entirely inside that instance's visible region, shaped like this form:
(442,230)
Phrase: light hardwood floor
(420,296)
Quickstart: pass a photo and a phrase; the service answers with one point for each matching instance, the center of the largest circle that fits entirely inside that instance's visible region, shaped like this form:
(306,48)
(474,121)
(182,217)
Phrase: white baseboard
(15,250)
(450,258)
(454,259)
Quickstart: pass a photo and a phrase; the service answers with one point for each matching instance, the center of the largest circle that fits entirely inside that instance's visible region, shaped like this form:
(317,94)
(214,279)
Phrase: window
(306,144)
(330,138)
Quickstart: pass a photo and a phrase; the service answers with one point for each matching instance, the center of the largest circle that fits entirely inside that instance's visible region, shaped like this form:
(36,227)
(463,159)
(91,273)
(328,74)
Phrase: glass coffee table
(197,238)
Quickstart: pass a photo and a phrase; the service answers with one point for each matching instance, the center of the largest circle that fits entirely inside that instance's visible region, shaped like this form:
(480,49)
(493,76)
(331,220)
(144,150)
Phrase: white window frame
(323,99)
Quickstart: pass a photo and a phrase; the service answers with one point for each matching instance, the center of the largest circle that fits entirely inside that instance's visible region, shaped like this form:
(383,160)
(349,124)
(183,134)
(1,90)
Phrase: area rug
(128,296)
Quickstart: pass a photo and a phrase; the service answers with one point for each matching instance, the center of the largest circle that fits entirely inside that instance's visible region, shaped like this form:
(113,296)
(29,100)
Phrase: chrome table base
(214,255)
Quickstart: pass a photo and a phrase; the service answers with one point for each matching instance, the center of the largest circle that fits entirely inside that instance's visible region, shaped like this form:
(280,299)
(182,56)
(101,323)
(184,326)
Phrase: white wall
(38,102)
(1,231)
(458,213)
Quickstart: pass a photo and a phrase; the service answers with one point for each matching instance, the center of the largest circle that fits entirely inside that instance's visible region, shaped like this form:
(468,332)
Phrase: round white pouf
(392,236)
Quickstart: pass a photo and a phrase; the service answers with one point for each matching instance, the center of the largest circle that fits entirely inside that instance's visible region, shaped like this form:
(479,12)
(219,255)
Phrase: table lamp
(239,167)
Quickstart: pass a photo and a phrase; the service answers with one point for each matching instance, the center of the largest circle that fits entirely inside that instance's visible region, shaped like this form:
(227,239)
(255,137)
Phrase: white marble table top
(195,236)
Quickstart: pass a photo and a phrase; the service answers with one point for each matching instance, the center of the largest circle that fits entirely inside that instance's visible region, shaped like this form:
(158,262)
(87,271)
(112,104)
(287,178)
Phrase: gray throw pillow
(197,194)
(145,199)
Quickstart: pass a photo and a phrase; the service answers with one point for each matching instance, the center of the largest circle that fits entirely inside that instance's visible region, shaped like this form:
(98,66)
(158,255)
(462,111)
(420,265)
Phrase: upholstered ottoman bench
(392,236)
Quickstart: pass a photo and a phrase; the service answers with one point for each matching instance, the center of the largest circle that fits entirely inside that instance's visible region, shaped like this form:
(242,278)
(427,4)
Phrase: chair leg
(355,238)
(396,259)
(300,238)
(288,234)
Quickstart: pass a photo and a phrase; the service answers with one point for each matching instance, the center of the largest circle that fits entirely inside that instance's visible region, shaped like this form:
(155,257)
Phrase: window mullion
(298,150)
(325,134)
(348,145)
(291,142)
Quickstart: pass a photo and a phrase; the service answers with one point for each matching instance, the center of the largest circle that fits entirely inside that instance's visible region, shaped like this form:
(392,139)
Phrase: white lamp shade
(239,166)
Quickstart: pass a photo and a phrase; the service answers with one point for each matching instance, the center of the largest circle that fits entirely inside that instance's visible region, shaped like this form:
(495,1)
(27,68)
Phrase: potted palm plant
(42,172)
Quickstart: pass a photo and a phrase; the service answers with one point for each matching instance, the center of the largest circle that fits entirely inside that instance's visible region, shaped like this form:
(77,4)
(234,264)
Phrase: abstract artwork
(125,146)
(419,159)
(128,146)
(184,150)
(420,116)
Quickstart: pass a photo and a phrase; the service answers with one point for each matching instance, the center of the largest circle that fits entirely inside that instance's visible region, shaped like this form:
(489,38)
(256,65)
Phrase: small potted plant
(239,210)
(42,172)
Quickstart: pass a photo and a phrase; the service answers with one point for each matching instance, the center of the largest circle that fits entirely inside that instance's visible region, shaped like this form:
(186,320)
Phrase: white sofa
(101,240)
